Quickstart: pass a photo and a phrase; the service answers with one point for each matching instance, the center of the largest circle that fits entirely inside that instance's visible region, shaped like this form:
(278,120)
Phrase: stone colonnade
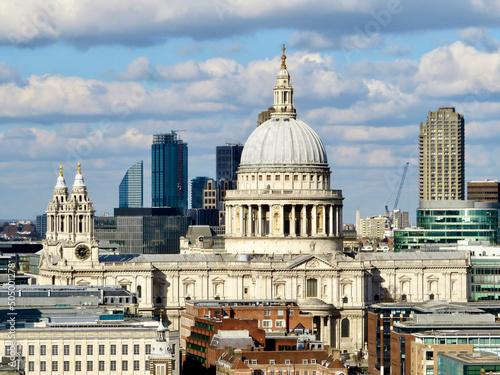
(305,220)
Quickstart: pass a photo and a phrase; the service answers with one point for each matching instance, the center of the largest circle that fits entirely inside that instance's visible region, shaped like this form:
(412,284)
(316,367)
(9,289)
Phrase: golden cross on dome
(79,168)
(60,170)
(283,58)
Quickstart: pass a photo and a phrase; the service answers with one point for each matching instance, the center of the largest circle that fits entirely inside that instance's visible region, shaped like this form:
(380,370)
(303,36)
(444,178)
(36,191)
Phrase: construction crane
(400,189)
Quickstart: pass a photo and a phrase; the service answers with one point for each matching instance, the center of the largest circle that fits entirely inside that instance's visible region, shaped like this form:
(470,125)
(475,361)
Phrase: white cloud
(138,69)
(479,37)
(458,69)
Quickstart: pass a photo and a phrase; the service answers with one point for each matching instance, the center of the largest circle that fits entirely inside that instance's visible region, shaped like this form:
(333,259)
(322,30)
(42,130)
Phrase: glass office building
(446,222)
(143,230)
(198,184)
(131,187)
(169,171)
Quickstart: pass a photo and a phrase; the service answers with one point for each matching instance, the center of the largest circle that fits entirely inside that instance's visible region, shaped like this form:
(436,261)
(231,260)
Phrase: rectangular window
(280,312)
(124,365)
(113,349)
(78,365)
(66,366)
(148,350)
(101,350)
(31,366)
(136,349)
(267,323)
(267,312)
(43,350)
(101,366)
(147,365)
(112,365)
(124,349)
(137,365)
(43,366)
(54,349)
(55,366)
(90,366)
(279,324)
(90,349)
(66,349)
(31,350)
(78,350)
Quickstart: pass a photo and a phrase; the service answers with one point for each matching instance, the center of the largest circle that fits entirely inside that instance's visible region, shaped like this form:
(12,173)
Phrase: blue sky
(91,82)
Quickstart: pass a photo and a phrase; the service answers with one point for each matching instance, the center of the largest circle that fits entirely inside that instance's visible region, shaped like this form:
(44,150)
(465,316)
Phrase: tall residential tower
(442,156)
(131,187)
(169,158)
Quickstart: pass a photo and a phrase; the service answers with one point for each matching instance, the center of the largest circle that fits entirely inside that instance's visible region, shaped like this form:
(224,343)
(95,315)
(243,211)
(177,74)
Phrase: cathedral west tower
(283,203)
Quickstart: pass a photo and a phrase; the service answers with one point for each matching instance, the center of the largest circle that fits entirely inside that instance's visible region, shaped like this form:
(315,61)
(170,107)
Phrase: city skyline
(365,75)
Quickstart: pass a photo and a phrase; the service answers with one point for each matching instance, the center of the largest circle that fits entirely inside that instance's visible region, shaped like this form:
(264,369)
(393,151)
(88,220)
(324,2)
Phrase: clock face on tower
(82,252)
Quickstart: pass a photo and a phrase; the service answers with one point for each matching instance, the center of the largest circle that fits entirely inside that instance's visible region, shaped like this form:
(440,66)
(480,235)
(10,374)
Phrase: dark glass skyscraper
(198,184)
(169,158)
(131,187)
(228,160)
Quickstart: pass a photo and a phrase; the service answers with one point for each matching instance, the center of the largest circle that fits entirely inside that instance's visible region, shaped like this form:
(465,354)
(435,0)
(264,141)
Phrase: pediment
(217,280)
(124,282)
(188,280)
(404,278)
(312,262)
(432,278)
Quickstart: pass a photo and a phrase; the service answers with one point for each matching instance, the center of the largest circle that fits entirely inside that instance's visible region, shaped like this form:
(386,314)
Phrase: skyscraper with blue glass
(169,177)
(131,187)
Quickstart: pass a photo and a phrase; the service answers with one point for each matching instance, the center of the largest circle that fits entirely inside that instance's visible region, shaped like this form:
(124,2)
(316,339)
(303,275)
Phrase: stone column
(314,221)
(303,226)
(292,222)
(249,220)
(242,222)
(259,221)
(282,220)
(330,222)
(324,220)
(340,221)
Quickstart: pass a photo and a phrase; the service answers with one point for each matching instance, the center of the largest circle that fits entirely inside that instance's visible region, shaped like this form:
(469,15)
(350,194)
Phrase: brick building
(244,362)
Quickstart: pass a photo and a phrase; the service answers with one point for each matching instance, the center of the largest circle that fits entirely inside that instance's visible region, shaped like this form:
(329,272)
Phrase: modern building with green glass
(445,222)
(169,171)
(131,187)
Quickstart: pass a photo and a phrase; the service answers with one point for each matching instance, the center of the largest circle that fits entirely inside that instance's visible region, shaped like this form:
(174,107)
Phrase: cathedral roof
(283,141)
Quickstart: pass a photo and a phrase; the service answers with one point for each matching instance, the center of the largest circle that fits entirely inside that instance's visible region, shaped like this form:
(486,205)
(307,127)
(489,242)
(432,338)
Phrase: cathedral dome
(283,141)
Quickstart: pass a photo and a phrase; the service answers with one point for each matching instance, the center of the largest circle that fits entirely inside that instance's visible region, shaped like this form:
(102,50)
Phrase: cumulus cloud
(88,23)
(138,69)
(458,69)
(479,38)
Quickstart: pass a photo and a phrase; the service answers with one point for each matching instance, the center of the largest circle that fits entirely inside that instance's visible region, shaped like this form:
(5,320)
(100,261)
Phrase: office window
(43,366)
(66,366)
(90,366)
(54,349)
(136,349)
(78,350)
(90,349)
(124,349)
(31,350)
(137,365)
(31,366)
(43,350)
(124,365)
(78,366)
(112,365)
(101,350)
(101,366)
(66,350)
(55,366)
(113,349)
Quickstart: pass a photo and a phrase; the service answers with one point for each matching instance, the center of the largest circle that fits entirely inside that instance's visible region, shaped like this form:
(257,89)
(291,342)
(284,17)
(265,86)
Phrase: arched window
(345,328)
(312,288)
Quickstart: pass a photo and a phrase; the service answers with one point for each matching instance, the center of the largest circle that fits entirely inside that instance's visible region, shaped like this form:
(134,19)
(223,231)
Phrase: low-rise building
(244,362)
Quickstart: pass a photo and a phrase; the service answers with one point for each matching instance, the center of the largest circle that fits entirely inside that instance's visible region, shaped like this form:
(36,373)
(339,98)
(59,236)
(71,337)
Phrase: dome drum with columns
(283,187)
